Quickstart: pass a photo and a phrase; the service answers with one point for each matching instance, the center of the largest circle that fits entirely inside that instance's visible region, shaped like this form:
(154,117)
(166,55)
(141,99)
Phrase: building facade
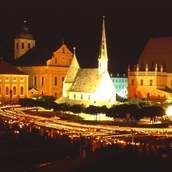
(48,79)
(151,78)
(13,83)
(120,83)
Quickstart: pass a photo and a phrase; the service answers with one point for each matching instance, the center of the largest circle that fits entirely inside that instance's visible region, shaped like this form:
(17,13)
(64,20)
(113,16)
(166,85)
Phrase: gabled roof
(158,51)
(6,68)
(72,71)
(87,80)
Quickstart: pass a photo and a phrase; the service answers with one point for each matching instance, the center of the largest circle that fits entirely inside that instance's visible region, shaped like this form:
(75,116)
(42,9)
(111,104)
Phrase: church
(46,68)
(89,86)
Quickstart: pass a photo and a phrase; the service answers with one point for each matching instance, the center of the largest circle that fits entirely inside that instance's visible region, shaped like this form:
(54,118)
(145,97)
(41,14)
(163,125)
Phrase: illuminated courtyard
(97,136)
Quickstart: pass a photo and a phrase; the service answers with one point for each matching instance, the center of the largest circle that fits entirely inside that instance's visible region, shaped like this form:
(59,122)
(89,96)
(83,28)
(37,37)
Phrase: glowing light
(169,111)
(105,91)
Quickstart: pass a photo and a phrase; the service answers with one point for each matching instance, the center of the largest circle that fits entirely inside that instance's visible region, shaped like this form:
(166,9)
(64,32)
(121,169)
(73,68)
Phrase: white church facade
(89,86)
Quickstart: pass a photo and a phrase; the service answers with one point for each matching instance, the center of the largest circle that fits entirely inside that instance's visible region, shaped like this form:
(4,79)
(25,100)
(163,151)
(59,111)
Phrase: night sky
(128,26)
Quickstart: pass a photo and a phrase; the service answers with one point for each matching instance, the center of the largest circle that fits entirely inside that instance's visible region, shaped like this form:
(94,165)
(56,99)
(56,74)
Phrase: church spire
(103,53)
(103,57)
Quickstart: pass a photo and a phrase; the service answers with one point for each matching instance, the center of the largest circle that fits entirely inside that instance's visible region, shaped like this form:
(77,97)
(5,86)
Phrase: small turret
(161,68)
(156,67)
(137,68)
(128,68)
(146,69)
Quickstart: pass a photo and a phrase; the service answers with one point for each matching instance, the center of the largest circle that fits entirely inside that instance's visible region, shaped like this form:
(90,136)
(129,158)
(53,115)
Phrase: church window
(81,96)
(88,97)
(55,94)
(151,82)
(74,96)
(55,81)
(14,90)
(22,45)
(42,83)
(35,81)
(17,45)
(21,90)
(132,82)
(55,61)
(7,90)
(141,82)
(29,45)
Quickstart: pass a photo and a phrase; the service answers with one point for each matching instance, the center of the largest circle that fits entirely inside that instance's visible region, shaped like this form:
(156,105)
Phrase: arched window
(21,90)
(29,45)
(42,81)
(55,80)
(14,90)
(35,81)
(81,96)
(22,45)
(74,96)
(17,45)
(141,82)
(7,90)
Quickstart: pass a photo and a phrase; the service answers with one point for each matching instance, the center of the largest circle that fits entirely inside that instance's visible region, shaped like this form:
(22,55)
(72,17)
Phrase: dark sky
(129,25)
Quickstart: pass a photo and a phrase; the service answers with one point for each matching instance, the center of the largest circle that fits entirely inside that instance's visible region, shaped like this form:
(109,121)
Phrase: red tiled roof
(158,51)
(6,68)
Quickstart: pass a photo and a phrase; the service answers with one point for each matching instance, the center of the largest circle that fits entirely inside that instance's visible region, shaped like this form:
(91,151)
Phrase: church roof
(6,68)
(87,80)
(37,56)
(24,35)
(158,51)
(73,69)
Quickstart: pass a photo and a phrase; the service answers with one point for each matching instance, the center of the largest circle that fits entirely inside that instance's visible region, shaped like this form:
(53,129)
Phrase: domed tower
(23,41)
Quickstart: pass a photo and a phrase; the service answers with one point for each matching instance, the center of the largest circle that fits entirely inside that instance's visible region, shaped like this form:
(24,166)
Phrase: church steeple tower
(23,41)
(103,57)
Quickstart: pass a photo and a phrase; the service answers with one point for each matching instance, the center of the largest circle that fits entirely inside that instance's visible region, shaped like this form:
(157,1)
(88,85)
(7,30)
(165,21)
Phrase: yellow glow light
(105,91)
(169,111)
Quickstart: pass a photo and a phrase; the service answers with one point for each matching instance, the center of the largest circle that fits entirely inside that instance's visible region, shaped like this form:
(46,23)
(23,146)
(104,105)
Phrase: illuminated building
(13,83)
(46,70)
(151,78)
(121,85)
(90,85)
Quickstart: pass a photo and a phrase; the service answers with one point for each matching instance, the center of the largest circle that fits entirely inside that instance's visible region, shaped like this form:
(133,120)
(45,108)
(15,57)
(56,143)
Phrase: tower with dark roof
(23,41)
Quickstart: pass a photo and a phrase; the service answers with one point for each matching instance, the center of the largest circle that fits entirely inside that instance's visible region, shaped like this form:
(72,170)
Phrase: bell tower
(23,41)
